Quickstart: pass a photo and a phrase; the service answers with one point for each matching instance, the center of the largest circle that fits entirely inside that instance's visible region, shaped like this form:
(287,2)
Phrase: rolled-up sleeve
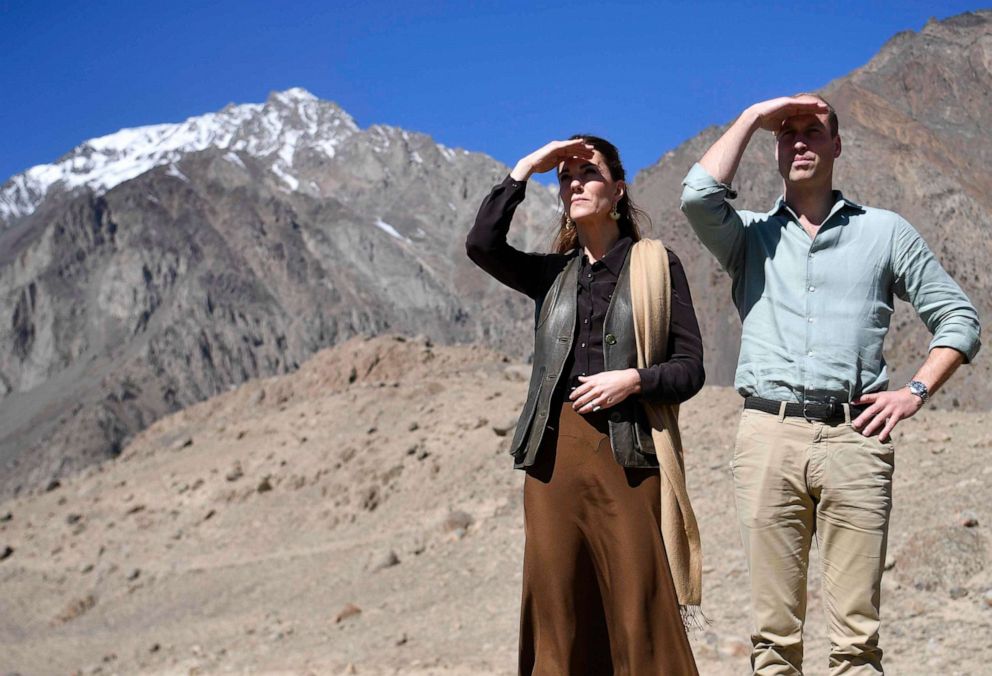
(716,223)
(942,305)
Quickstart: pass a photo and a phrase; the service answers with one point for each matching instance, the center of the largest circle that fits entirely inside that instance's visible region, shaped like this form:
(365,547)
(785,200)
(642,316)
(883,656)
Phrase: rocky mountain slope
(360,516)
(916,126)
(153,268)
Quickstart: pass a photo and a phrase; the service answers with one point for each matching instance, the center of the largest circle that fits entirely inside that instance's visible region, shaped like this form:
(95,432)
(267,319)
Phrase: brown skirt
(598,596)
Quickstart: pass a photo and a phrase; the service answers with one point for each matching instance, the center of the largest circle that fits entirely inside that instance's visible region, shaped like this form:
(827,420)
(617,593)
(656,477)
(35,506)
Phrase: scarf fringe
(694,619)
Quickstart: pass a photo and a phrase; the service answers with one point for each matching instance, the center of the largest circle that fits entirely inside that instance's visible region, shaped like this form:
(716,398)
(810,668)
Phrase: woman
(599,594)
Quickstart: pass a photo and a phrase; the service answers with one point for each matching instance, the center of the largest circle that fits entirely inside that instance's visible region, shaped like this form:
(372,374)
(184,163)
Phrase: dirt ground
(361,516)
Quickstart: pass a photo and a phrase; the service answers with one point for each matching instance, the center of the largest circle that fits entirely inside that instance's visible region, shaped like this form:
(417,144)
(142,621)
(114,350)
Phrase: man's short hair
(831,112)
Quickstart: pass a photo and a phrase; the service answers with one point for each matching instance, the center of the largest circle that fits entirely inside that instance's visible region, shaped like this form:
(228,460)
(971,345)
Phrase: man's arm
(888,408)
(724,156)
(947,313)
(707,186)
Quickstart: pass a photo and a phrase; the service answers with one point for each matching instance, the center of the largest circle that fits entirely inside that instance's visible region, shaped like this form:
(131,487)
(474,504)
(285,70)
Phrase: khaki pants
(794,479)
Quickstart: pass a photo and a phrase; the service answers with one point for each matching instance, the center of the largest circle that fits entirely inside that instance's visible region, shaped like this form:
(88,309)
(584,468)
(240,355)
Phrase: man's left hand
(886,409)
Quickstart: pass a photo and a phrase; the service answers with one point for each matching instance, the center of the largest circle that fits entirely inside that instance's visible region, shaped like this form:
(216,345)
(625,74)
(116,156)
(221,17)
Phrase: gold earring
(569,223)
(614,214)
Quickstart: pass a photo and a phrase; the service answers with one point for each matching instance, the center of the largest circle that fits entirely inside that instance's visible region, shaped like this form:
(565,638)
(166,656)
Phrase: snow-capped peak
(275,130)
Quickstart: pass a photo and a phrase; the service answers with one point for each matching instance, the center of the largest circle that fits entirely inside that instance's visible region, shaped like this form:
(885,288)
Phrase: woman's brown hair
(631,216)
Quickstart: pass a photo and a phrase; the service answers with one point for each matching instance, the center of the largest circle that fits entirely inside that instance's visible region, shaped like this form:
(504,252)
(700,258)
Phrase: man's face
(805,150)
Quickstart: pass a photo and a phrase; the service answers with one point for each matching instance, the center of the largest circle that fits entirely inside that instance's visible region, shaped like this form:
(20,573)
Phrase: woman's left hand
(604,390)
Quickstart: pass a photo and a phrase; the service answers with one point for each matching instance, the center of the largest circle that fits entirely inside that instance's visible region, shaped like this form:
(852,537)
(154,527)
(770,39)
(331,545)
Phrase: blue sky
(497,77)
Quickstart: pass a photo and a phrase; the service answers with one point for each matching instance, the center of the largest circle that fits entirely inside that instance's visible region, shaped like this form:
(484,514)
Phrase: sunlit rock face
(155,267)
(914,124)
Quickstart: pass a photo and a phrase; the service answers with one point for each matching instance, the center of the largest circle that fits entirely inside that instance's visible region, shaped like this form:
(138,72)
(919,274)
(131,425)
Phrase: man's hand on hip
(885,410)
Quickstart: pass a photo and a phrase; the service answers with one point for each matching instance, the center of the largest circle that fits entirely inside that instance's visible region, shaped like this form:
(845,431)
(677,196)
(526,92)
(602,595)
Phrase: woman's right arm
(486,245)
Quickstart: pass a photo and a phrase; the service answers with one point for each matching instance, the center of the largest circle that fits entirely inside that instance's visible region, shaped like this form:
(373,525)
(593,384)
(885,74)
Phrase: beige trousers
(794,480)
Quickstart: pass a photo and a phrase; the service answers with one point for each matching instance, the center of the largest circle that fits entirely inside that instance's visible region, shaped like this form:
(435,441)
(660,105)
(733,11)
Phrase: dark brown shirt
(675,380)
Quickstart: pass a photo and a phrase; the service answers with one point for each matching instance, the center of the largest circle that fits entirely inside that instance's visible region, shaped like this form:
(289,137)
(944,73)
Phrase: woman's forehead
(574,163)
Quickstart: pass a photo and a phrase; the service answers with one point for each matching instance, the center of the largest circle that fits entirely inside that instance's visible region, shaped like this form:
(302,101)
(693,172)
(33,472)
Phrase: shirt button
(589,275)
(809,319)
(582,345)
(810,353)
(585,321)
(812,289)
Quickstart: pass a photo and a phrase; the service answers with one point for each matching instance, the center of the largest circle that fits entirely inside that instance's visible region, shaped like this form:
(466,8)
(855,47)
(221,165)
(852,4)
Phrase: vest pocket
(524,423)
(642,433)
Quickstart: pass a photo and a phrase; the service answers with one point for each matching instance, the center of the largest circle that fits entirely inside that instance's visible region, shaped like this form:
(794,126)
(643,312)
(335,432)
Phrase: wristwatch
(919,389)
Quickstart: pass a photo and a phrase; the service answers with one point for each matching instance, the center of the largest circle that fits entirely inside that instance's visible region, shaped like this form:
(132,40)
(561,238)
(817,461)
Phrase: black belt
(832,411)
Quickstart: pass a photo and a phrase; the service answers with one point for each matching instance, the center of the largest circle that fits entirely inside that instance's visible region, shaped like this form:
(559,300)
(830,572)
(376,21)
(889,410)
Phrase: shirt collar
(614,258)
(840,202)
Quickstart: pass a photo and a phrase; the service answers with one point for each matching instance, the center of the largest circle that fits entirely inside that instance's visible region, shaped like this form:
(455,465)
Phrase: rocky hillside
(153,268)
(360,516)
(916,126)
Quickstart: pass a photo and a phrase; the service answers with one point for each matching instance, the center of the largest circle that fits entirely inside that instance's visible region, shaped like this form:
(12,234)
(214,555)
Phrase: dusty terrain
(361,516)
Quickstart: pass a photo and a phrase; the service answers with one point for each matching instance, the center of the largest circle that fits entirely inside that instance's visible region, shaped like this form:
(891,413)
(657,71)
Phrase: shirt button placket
(810,290)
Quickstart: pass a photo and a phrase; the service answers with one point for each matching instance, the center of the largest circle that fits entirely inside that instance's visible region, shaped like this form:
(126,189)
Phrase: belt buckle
(830,409)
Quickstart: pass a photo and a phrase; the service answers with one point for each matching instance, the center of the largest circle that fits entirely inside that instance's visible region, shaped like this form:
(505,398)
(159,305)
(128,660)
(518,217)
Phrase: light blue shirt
(815,311)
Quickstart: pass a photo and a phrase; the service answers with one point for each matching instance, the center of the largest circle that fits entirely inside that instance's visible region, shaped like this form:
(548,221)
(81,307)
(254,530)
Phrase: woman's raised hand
(550,156)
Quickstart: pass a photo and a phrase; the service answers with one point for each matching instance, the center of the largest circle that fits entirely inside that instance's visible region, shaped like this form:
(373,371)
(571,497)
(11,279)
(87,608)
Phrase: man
(813,281)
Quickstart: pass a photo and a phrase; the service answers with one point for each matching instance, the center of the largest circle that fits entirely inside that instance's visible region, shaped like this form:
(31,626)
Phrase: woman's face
(586,188)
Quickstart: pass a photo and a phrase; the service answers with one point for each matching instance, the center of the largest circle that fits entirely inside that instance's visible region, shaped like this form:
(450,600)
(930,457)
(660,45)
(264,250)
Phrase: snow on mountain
(273,130)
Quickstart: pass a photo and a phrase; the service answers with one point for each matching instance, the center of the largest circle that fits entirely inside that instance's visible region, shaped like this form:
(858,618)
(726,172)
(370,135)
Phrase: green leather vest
(554,332)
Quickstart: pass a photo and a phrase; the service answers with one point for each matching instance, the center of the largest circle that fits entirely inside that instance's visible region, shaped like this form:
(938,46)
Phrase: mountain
(916,127)
(250,534)
(158,266)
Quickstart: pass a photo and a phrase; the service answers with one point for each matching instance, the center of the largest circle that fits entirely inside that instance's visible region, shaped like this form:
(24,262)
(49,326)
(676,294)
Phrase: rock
(968,519)
(734,647)
(413,427)
(958,593)
(5,552)
(134,574)
(517,373)
(505,426)
(349,610)
(890,561)
(181,443)
(235,472)
(370,498)
(73,518)
(402,640)
(76,608)
(52,485)
(6,517)
(457,522)
(383,559)
(987,598)
(941,558)
(265,485)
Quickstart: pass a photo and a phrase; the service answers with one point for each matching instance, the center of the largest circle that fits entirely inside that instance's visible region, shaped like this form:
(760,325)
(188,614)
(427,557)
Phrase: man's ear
(837,146)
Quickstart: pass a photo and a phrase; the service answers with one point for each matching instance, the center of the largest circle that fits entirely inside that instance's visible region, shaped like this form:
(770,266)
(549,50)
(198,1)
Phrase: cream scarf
(651,296)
